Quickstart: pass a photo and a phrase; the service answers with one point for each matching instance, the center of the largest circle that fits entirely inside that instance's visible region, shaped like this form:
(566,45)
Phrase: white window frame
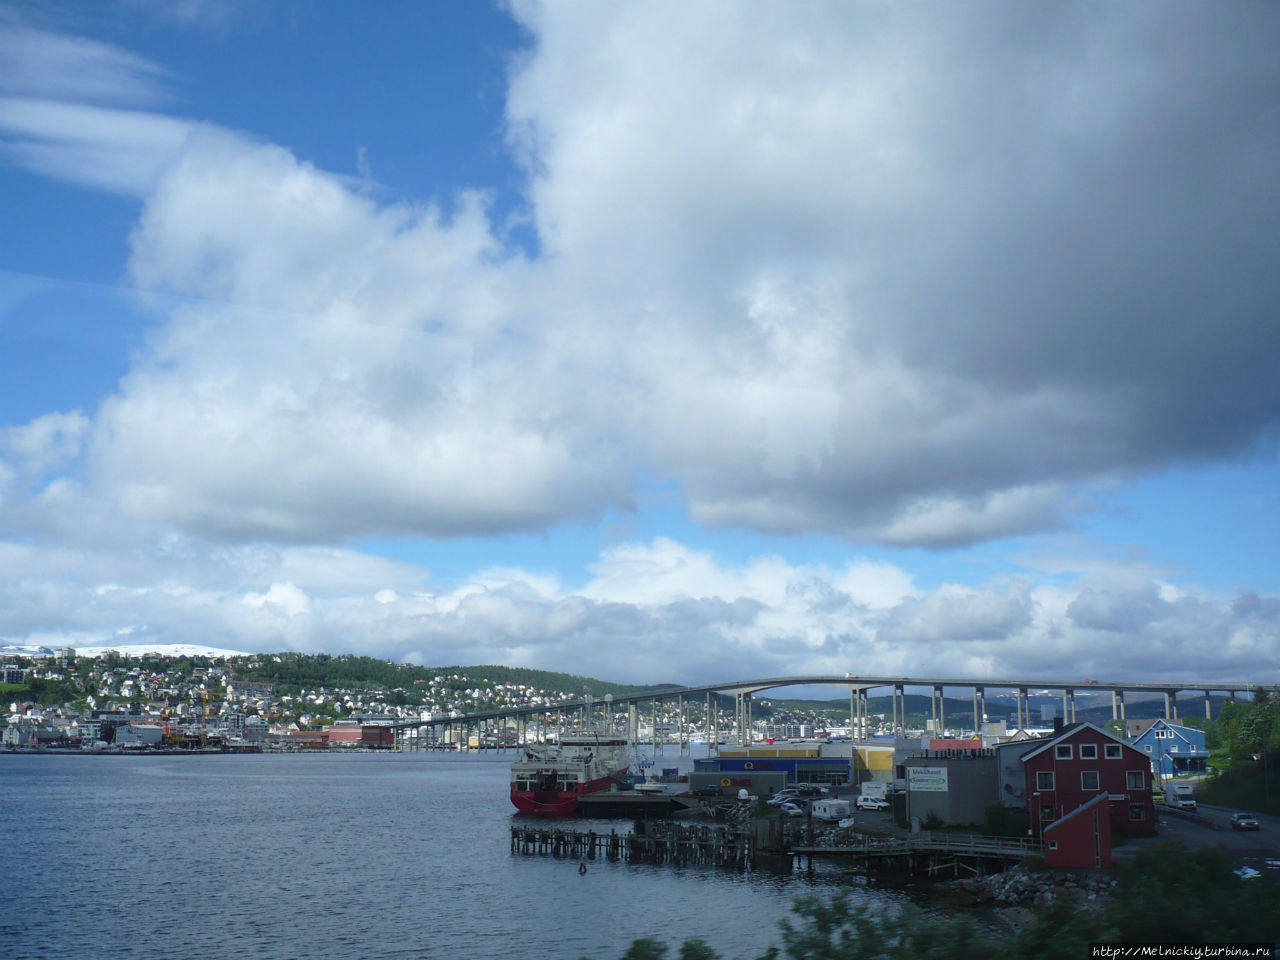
(1040,774)
(1131,775)
(1113,751)
(1088,751)
(1097,777)
(1062,751)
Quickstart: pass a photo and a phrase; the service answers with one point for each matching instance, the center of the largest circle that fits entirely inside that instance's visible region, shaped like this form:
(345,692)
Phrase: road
(1247,847)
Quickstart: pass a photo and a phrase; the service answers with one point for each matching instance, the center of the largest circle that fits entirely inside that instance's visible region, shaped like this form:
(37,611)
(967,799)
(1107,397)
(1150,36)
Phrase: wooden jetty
(652,842)
(931,853)
(728,845)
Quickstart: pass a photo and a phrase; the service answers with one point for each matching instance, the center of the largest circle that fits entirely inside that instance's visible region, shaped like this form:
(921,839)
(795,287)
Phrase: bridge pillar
(942,712)
(713,710)
(1208,706)
(680,734)
(1170,705)
(1120,698)
(1024,709)
(900,710)
(978,694)
(1071,700)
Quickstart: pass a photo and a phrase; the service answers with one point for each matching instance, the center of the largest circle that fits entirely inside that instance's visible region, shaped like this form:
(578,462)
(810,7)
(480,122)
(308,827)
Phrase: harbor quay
(933,854)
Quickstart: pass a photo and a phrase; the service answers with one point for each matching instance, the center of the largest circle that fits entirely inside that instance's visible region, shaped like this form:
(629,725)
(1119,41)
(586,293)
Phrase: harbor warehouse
(957,788)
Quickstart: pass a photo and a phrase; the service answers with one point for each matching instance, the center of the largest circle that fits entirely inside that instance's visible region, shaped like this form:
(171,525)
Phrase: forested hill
(323,670)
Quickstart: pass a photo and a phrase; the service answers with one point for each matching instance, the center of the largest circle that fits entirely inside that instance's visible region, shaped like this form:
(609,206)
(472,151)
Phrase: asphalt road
(1259,849)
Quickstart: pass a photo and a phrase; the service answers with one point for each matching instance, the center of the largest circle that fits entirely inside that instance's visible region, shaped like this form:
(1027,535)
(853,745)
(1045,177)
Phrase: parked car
(792,809)
(1244,821)
(871,803)
(809,791)
(782,796)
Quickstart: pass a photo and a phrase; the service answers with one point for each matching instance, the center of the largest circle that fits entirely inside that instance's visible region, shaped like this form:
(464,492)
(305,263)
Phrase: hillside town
(115,702)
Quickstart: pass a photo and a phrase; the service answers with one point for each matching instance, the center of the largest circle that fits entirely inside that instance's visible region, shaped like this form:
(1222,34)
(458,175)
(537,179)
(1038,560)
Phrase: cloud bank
(907,278)
(657,612)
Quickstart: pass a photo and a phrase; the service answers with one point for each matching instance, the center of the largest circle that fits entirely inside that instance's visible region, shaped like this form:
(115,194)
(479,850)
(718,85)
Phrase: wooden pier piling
(652,842)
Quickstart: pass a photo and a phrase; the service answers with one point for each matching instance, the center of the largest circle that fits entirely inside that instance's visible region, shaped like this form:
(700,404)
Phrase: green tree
(1173,893)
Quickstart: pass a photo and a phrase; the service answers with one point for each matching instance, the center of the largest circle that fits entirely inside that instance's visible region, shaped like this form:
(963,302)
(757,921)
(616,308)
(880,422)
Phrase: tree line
(1167,894)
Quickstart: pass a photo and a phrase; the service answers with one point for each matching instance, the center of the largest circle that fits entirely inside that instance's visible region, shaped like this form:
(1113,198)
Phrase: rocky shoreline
(1020,887)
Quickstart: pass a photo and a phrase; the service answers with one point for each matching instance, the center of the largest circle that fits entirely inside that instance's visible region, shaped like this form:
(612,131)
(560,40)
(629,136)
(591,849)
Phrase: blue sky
(645,341)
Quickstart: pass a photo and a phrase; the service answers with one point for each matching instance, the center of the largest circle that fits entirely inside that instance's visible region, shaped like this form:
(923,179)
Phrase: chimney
(1057,725)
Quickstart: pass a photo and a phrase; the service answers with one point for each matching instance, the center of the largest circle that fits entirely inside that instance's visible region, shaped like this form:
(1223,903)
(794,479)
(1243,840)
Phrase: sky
(655,342)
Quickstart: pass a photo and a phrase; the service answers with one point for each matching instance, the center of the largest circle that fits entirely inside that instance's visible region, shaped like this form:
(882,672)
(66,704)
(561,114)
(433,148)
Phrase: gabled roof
(1070,731)
(1138,728)
(1181,730)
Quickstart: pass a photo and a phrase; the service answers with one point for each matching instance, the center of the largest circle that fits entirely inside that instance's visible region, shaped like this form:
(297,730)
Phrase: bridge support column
(1024,709)
(900,710)
(713,709)
(681,722)
(977,714)
(942,711)
(1071,701)
(1170,706)
(1120,699)
(1208,706)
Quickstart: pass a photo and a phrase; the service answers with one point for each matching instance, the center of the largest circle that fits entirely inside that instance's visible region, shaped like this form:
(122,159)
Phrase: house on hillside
(1170,747)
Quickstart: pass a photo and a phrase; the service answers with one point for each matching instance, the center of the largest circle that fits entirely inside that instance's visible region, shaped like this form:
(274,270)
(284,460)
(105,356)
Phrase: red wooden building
(1081,839)
(1075,766)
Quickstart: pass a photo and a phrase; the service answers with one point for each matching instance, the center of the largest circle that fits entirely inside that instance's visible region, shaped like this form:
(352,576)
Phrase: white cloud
(637,619)
(284,597)
(39,63)
(913,277)
(925,279)
(120,151)
(777,265)
(48,442)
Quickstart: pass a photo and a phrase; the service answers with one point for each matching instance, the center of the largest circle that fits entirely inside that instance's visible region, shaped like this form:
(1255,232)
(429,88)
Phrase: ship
(548,779)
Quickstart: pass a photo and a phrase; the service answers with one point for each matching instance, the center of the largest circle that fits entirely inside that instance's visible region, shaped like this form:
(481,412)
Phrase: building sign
(927,779)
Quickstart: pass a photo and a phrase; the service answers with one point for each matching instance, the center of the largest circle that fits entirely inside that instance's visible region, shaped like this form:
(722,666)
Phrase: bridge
(859,688)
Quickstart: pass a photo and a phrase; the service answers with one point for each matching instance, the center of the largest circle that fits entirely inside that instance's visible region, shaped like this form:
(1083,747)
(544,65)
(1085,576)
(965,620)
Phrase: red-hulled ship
(548,779)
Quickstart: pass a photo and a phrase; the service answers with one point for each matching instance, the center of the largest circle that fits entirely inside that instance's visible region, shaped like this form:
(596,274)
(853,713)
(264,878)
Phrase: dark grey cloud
(909,266)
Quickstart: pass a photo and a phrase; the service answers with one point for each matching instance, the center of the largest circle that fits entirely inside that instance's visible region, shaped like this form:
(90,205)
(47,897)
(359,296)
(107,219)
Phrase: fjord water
(332,858)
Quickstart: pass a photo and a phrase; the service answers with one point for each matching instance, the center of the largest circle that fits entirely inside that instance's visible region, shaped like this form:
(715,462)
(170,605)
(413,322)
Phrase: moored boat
(548,779)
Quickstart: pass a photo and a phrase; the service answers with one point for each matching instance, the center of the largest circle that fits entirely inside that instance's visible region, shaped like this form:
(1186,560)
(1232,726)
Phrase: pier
(656,842)
(929,854)
(932,854)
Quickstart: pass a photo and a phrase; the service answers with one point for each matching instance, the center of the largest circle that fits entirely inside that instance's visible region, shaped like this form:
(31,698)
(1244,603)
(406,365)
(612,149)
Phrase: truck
(875,788)
(1180,796)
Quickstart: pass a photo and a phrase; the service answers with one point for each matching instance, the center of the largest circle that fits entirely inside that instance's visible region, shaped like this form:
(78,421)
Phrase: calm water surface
(330,857)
